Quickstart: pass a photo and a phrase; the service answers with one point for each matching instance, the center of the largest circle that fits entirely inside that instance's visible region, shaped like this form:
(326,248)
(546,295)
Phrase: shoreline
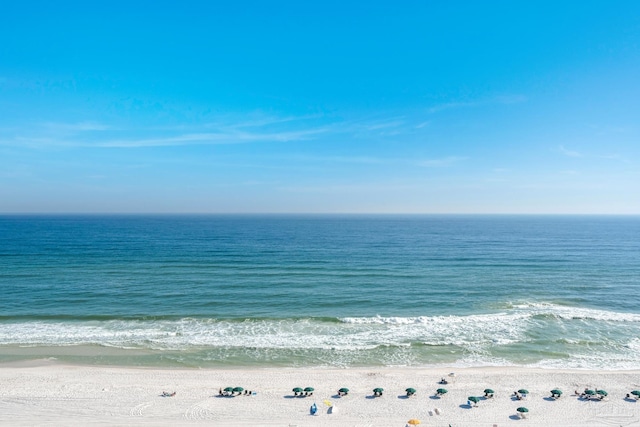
(444,368)
(45,391)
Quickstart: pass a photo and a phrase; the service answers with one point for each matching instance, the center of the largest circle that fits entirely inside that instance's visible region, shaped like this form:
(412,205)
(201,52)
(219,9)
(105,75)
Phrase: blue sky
(350,107)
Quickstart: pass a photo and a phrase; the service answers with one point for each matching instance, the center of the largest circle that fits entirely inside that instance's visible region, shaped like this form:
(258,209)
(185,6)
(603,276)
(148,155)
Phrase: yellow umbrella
(413,422)
(327,402)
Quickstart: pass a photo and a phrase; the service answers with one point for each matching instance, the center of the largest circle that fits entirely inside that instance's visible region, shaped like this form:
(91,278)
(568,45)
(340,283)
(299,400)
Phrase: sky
(320,107)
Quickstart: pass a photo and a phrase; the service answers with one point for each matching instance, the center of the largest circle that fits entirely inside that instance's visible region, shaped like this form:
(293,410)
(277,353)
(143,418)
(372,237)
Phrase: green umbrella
(556,391)
(410,390)
(297,390)
(442,391)
(602,392)
(378,390)
(522,409)
(590,392)
(228,389)
(308,389)
(636,393)
(473,399)
(488,391)
(238,389)
(523,391)
(343,390)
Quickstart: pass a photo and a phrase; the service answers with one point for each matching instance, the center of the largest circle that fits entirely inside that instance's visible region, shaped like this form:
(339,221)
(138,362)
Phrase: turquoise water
(549,291)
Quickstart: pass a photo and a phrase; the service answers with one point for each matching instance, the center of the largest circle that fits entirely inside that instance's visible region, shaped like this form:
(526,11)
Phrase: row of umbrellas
(591,393)
(441,391)
(307,391)
(603,393)
(233,390)
(299,390)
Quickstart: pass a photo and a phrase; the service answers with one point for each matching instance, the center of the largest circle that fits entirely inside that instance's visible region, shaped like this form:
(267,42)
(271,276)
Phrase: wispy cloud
(616,157)
(569,153)
(384,125)
(590,155)
(94,134)
(208,138)
(496,100)
(349,188)
(451,105)
(258,120)
(341,159)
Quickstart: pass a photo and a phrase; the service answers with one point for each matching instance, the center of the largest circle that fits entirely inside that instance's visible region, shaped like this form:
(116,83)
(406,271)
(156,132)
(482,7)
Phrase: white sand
(50,394)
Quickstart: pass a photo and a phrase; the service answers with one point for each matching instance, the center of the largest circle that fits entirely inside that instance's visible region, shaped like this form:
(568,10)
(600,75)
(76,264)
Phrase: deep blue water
(554,291)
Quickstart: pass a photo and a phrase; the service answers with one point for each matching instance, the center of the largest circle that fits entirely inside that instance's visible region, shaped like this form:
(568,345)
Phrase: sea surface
(321,291)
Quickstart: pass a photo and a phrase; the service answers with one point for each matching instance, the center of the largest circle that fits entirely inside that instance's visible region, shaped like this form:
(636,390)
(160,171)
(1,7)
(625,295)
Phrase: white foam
(610,338)
(285,334)
(575,313)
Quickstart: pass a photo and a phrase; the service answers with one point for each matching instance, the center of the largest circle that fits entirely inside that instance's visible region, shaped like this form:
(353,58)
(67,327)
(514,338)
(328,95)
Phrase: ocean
(321,290)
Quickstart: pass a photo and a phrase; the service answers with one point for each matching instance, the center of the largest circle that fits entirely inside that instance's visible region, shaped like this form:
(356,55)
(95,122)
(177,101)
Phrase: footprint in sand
(138,410)
(198,411)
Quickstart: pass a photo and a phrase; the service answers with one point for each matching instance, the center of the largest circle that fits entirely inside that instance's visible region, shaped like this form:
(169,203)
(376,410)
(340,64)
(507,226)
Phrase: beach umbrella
(378,390)
(413,421)
(238,389)
(590,392)
(442,391)
(473,399)
(297,390)
(410,390)
(523,391)
(308,389)
(344,390)
(488,391)
(602,393)
(636,392)
(556,391)
(522,409)
(228,389)
(327,402)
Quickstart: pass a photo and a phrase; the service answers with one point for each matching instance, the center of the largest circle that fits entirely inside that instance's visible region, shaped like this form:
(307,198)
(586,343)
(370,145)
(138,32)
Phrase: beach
(102,314)
(48,393)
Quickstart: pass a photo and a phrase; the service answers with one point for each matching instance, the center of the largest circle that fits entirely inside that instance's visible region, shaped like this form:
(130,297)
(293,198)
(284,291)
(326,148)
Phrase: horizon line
(313,214)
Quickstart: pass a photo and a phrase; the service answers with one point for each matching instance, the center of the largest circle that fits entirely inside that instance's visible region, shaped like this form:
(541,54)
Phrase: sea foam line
(350,333)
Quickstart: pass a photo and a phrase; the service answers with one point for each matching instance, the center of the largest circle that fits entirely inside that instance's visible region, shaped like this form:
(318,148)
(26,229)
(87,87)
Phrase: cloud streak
(569,153)
(93,134)
(208,139)
(497,100)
